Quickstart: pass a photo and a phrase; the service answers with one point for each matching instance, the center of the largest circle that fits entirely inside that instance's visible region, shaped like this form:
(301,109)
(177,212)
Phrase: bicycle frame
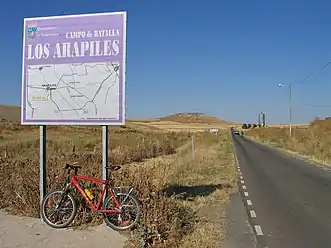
(96,207)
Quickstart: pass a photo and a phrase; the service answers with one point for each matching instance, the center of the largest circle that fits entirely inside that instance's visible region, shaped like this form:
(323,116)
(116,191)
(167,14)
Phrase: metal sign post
(193,146)
(104,155)
(42,183)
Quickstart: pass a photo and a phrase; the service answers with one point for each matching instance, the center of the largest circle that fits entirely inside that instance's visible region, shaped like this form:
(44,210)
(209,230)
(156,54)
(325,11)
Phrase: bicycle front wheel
(57,213)
(129,215)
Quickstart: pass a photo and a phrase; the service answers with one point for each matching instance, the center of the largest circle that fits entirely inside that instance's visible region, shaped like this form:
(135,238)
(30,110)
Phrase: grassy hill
(194,118)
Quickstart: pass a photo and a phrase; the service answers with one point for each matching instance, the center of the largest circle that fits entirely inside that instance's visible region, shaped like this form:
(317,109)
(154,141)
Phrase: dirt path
(26,232)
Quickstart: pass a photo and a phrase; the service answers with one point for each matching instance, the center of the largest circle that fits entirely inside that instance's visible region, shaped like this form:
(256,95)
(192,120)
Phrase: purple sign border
(97,122)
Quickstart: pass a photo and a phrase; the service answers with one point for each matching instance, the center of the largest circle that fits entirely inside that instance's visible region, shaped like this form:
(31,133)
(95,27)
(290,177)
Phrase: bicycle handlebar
(76,167)
(73,167)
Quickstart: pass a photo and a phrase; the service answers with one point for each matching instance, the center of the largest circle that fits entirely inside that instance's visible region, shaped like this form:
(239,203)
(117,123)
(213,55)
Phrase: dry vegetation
(313,141)
(10,113)
(181,197)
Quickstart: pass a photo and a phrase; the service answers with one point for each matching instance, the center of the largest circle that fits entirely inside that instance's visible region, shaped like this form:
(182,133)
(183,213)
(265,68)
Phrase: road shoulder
(239,233)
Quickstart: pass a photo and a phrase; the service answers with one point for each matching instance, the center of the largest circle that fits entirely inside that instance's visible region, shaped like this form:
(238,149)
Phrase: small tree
(249,126)
(244,126)
(254,125)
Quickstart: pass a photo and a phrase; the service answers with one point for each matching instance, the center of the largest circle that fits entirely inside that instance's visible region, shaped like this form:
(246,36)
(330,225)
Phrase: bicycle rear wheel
(55,215)
(129,215)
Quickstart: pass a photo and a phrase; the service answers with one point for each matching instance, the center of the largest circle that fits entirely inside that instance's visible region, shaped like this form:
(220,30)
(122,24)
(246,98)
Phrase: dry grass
(286,125)
(205,184)
(313,141)
(167,221)
(183,206)
(19,157)
(177,127)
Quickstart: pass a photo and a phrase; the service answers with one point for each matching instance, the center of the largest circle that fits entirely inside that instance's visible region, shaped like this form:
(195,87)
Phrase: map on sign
(84,90)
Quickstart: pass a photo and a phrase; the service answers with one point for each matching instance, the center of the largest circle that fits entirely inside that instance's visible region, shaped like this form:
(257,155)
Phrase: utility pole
(290,107)
(290,110)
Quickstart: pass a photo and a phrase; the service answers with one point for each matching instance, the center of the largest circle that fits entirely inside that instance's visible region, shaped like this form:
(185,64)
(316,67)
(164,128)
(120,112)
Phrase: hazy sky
(224,58)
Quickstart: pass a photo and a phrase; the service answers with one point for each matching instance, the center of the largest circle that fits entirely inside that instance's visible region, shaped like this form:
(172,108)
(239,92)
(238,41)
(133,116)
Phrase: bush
(19,160)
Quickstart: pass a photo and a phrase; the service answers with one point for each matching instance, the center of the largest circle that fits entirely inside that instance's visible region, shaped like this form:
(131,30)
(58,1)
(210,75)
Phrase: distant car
(236,132)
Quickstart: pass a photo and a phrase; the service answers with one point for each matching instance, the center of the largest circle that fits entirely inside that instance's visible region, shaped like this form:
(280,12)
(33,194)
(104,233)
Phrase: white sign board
(74,70)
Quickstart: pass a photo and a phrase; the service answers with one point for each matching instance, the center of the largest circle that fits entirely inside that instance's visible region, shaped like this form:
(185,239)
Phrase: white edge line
(258,230)
(253,214)
(249,202)
(246,193)
(242,181)
(244,187)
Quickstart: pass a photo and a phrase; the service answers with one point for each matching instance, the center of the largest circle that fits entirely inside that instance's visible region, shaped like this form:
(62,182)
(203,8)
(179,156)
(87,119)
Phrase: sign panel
(74,70)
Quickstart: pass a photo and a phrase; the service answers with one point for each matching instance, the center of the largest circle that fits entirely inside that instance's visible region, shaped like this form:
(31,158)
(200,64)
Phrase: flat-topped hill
(194,118)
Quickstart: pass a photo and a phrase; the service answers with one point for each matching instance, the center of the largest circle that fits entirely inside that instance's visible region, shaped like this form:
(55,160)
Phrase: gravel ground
(19,232)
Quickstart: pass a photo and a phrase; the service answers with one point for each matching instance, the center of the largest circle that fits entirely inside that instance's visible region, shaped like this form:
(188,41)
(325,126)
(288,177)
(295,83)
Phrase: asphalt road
(288,200)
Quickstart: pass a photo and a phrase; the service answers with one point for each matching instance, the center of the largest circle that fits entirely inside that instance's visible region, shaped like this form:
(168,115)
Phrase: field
(182,196)
(313,140)
(192,122)
(286,125)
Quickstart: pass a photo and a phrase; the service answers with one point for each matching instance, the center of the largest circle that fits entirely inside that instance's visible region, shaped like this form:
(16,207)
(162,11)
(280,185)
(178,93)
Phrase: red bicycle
(120,209)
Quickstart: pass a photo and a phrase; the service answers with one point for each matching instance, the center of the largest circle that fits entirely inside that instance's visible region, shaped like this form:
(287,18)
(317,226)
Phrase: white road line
(244,187)
(253,214)
(249,202)
(241,177)
(240,173)
(242,181)
(246,193)
(258,230)
(239,170)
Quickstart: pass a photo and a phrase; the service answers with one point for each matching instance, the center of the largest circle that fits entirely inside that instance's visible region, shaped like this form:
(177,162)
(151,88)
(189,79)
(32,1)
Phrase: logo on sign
(32,31)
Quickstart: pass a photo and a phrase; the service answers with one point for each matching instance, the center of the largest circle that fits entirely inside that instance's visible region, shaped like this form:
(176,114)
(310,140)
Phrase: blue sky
(223,58)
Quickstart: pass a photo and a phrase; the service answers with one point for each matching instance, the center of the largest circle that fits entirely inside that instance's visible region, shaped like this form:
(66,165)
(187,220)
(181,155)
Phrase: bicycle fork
(63,195)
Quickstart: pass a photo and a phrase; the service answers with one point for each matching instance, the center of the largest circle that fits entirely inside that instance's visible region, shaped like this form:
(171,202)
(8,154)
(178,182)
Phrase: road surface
(288,200)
